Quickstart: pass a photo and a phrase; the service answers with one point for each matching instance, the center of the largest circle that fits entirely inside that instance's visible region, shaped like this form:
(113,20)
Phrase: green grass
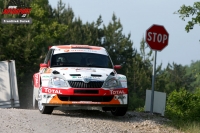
(186,126)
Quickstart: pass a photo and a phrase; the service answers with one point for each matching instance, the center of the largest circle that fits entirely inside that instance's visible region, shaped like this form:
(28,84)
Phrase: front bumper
(85,97)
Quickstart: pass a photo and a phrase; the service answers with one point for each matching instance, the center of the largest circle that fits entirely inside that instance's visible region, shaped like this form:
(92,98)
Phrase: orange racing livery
(77,76)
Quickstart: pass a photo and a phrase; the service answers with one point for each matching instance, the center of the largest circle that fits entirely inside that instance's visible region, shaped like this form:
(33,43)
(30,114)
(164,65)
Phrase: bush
(135,102)
(183,105)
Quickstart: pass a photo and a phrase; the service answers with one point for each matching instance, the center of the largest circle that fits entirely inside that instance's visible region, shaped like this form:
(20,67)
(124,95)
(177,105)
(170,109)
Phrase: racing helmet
(61,61)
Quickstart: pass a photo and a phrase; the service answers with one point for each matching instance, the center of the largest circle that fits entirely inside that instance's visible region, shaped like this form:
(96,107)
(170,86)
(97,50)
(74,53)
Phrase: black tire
(106,108)
(119,111)
(35,102)
(43,109)
(46,110)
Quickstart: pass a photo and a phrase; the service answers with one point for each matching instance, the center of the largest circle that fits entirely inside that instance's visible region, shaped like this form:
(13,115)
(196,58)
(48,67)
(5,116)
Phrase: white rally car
(77,76)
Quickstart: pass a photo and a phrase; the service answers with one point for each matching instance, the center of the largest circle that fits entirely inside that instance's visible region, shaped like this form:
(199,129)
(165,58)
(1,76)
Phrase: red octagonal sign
(157,37)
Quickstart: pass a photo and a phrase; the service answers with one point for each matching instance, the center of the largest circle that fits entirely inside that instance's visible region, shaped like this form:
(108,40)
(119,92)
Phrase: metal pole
(153,80)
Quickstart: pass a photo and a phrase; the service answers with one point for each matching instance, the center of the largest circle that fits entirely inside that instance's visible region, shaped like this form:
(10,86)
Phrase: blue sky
(137,16)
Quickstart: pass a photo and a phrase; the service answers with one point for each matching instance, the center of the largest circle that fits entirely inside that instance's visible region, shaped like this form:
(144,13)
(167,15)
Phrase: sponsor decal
(64,69)
(36,80)
(85,70)
(119,97)
(91,50)
(51,91)
(82,68)
(47,70)
(117,92)
(66,50)
(85,77)
(77,50)
(64,47)
(81,50)
(45,76)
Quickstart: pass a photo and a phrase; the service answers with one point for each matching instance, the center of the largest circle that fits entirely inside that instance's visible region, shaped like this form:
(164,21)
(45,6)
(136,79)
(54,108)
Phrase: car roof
(78,48)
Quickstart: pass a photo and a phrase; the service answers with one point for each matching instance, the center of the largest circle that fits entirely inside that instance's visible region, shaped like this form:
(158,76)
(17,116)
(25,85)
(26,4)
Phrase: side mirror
(43,65)
(117,67)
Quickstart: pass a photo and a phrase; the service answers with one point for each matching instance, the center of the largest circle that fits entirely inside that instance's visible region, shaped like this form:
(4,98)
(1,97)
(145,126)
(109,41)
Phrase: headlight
(111,83)
(58,82)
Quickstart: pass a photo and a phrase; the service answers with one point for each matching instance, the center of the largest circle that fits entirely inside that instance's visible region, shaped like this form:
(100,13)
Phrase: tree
(187,12)
(139,76)
(177,77)
(194,70)
(117,44)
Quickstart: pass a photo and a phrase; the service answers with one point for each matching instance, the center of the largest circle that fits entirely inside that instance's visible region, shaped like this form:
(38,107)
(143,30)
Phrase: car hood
(79,73)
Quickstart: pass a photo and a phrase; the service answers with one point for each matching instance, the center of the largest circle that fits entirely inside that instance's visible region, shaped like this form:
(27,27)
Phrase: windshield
(80,60)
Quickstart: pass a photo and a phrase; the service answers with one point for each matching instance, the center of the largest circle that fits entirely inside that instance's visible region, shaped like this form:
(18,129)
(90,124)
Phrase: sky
(137,16)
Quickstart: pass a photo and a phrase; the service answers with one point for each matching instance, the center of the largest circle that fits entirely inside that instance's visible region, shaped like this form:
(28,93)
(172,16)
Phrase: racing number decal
(36,78)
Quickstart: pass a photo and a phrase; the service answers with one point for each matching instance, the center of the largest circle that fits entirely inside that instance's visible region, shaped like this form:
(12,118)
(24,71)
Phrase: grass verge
(185,126)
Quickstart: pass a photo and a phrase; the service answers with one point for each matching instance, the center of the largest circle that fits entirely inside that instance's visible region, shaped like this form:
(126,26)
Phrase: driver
(61,61)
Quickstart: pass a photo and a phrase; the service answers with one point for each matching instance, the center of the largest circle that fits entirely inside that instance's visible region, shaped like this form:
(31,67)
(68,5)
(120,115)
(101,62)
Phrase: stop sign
(157,37)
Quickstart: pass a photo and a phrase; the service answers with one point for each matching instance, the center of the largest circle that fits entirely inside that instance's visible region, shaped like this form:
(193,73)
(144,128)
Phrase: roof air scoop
(55,72)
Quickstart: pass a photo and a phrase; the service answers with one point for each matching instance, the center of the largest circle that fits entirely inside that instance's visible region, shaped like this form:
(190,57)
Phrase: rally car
(78,76)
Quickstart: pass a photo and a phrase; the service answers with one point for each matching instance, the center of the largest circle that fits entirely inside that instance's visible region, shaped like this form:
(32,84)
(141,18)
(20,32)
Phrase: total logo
(52,91)
(117,92)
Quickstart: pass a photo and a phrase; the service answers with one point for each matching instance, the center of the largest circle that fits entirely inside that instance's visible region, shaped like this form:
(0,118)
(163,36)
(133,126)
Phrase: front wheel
(119,111)
(43,109)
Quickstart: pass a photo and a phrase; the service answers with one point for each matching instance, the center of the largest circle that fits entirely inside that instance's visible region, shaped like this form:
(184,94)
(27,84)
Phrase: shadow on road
(94,114)
(130,116)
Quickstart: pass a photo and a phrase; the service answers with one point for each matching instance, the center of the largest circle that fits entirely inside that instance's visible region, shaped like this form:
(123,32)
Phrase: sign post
(157,38)
(153,81)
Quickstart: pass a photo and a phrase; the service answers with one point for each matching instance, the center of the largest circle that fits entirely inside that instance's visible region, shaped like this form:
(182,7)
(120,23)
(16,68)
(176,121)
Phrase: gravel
(80,121)
(27,120)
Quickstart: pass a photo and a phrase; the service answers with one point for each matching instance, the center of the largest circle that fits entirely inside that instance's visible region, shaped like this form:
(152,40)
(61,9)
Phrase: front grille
(86,91)
(81,84)
(86,98)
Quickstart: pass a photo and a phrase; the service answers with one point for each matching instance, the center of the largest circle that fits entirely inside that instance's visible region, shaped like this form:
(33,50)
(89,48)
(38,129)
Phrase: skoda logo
(86,80)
